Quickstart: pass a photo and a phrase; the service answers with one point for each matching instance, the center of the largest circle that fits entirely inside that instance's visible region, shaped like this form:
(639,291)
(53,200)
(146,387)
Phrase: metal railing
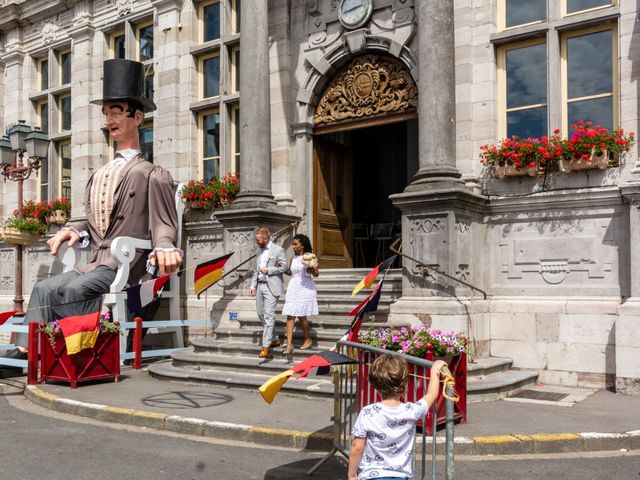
(351,394)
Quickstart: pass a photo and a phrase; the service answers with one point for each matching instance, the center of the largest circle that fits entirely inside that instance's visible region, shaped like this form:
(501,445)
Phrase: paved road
(55,446)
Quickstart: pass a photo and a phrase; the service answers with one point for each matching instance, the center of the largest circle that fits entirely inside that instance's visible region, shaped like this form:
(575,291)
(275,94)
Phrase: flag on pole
(80,323)
(368,280)
(369,304)
(144,293)
(271,387)
(209,273)
(4,316)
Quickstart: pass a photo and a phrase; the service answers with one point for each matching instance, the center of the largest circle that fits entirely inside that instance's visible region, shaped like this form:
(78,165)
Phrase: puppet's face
(122,127)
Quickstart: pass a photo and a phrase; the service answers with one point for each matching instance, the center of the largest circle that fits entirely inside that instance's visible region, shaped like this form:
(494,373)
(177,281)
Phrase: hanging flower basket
(57,217)
(17,237)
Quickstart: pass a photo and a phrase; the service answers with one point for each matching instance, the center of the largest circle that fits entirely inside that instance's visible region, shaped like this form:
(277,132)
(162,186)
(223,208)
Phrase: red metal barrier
(32,355)
(137,343)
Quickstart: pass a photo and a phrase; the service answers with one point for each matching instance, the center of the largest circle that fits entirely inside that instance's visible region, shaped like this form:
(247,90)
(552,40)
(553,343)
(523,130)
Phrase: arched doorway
(365,149)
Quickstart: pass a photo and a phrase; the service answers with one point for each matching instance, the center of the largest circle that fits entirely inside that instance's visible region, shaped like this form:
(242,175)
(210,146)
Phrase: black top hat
(124,80)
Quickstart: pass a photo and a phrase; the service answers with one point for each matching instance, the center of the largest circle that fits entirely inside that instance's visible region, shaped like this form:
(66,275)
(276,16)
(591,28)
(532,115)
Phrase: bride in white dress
(301,299)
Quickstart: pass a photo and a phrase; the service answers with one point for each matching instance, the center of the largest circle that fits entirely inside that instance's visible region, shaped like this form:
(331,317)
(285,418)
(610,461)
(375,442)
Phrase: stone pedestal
(627,342)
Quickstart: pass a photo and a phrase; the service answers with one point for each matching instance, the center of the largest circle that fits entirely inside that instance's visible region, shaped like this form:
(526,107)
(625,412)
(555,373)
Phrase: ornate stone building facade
(362,120)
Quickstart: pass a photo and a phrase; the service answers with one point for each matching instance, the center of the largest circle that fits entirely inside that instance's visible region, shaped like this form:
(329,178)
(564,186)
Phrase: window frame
(38,107)
(58,151)
(40,61)
(502,17)
(147,123)
(615,94)
(201,74)
(201,23)
(234,137)
(564,4)
(112,42)
(501,63)
(138,27)
(59,99)
(235,15)
(235,68)
(59,55)
(201,158)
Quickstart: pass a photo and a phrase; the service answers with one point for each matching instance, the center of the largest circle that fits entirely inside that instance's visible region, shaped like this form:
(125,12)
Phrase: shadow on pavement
(186,400)
(335,468)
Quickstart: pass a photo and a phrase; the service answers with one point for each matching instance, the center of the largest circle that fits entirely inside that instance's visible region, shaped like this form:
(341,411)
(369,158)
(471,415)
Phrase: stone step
(316,386)
(187,358)
(498,385)
(486,366)
(210,346)
(253,334)
(321,322)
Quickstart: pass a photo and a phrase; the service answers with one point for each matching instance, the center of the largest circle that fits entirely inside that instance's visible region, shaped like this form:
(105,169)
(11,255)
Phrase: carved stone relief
(582,247)
(49,32)
(370,85)
(428,225)
(7,269)
(124,7)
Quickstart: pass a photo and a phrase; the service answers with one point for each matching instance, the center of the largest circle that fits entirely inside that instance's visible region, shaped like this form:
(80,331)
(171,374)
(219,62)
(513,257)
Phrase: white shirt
(262,261)
(389,434)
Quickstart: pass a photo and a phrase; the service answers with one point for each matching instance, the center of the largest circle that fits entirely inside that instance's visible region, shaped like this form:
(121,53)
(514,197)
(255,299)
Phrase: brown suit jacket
(144,207)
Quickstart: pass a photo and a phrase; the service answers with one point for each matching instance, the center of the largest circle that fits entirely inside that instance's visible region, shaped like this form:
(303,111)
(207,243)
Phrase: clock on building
(355,13)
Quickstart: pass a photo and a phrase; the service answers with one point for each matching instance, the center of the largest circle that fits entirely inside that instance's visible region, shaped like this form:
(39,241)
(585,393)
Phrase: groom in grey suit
(267,286)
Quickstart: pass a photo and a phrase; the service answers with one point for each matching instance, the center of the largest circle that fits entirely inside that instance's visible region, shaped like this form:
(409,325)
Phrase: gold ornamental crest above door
(370,85)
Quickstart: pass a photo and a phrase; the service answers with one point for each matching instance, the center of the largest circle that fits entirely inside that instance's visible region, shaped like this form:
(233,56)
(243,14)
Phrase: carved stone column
(436,96)
(255,127)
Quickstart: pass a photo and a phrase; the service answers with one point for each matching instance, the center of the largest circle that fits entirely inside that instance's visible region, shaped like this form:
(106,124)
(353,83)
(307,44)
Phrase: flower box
(417,386)
(511,171)
(97,363)
(57,217)
(594,161)
(18,237)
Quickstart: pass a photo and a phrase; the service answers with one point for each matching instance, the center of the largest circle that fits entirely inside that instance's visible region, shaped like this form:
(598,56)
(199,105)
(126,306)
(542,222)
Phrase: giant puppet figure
(126,197)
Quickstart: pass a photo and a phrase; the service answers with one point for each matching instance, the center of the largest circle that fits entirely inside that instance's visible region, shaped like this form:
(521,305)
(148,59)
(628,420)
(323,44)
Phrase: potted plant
(22,231)
(592,146)
(212,194)
(516,156)
(102,361)
(422,342)
(58,211)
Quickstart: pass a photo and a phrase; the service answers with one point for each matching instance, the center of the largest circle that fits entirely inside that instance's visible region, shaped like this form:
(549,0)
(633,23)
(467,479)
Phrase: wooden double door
(333,203)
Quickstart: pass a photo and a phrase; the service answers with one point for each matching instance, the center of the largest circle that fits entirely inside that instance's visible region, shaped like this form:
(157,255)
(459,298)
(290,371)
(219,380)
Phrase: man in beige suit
(127,197)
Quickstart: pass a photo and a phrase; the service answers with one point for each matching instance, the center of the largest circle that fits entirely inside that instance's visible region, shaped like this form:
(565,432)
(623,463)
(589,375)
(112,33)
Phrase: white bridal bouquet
(310,260)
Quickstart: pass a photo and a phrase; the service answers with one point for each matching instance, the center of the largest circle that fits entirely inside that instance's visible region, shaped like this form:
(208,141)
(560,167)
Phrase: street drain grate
(539,395)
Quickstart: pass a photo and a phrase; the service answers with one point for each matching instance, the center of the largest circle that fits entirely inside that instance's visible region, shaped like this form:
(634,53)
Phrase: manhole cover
(539,395)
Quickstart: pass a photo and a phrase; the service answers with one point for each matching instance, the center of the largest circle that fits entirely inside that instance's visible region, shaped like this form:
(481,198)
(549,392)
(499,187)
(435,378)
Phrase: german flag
(368,280)
(80,323)
(209,273)
(271,387)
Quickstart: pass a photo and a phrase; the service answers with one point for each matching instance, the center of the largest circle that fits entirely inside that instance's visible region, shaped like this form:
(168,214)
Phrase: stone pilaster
(255,128)
(436,97)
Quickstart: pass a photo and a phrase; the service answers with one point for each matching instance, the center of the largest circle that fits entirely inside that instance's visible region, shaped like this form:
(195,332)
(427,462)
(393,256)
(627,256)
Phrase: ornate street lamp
(17,167)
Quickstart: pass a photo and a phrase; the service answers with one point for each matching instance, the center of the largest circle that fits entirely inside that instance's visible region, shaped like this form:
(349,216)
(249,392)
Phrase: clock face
(354,13)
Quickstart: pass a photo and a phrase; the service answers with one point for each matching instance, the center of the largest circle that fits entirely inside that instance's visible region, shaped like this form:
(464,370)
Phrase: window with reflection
(210,76)
(145,41)
(589,78)
(525,69)
(64,64)
(210,21)
(522,12)
(146,141)
(148,87)
(119,49)
(64,160)
(65,112)
(43,115)
(43,67)
(210,145)
(574,6)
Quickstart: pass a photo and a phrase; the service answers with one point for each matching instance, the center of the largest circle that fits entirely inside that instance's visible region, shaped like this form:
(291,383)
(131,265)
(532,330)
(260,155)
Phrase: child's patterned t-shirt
(389,434)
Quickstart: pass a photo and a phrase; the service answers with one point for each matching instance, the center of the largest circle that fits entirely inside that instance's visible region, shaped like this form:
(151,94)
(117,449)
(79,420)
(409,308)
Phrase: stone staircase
(230,357)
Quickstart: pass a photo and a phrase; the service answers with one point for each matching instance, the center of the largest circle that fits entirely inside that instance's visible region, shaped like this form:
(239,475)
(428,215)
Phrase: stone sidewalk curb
(479,445)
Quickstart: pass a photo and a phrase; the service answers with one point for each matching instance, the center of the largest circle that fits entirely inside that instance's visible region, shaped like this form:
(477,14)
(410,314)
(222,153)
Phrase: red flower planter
(97,363)
(417,386)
